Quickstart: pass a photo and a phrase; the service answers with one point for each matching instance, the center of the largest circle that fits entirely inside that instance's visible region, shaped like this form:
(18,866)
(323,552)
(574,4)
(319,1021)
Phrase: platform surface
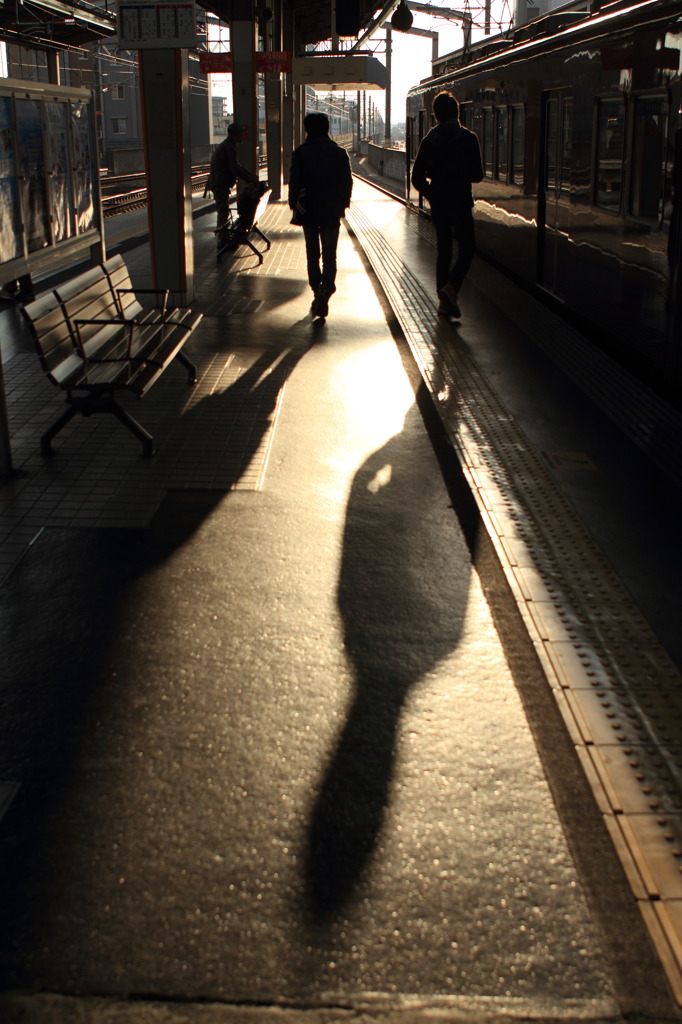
(263,748)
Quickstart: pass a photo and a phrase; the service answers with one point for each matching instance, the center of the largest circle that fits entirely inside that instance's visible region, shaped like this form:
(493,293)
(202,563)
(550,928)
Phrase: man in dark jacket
(448,161)
(320,186)
(225,169)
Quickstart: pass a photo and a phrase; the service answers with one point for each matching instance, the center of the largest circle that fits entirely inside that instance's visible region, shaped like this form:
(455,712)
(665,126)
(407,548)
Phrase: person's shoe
(448,302)
(320,305)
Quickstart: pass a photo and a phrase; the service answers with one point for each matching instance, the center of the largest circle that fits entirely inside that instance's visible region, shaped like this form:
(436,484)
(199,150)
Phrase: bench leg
(88,407)
(136,428)
(253,249)
(267,241)
(45,445)
(191,368)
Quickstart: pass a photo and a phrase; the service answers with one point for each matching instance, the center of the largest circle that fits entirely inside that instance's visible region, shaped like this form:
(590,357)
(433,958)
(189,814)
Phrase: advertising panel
(83,164)
(59,171)
(10,237)
(32,173)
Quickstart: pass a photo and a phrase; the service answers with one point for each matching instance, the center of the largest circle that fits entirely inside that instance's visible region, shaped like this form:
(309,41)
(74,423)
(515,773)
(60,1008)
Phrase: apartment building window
(119,125)
(117,92)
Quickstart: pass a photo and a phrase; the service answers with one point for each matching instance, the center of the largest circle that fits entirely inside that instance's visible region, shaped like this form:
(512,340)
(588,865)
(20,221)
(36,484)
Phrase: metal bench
(237,231)
(95,338)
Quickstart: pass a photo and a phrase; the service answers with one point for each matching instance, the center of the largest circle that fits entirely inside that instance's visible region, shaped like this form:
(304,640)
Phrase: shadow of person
(230,425)
(402,597)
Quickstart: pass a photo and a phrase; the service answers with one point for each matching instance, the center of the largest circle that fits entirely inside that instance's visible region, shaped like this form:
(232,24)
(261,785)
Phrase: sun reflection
(381,478)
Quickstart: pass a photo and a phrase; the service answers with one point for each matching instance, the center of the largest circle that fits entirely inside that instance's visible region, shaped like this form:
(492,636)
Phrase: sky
(411,55)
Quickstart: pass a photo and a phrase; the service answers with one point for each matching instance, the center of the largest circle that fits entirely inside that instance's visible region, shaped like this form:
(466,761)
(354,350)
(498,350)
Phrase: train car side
(578,133)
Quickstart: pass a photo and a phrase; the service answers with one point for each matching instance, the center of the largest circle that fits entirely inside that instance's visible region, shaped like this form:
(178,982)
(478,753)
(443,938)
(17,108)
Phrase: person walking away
(447,162)
(320,186)
(225,169)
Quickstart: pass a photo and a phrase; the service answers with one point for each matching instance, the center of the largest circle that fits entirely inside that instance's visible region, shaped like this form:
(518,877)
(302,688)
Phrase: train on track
(578,117)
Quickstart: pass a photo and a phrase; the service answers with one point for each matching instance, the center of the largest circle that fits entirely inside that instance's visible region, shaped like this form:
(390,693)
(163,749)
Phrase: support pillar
(164,89)
(273,107)
(289,93)
(244,91)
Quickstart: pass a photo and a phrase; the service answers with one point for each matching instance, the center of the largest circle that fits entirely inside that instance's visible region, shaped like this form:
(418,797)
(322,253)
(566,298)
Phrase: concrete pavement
(273,762)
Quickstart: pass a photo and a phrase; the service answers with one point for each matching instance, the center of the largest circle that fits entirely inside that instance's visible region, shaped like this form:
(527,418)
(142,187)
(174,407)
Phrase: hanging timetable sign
(145,24)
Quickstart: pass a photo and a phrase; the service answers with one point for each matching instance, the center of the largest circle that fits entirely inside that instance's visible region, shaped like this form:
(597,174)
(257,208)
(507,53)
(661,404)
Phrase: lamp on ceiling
(402,17)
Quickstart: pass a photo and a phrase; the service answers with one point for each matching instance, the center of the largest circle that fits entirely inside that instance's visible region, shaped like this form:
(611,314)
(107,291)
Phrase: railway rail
(127,192)
(123,193)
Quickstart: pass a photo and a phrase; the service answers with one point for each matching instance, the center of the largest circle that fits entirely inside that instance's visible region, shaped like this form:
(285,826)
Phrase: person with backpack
(447,162)
(320,186)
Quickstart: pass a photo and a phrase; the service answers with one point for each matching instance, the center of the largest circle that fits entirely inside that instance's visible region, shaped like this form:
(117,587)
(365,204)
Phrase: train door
(555,188)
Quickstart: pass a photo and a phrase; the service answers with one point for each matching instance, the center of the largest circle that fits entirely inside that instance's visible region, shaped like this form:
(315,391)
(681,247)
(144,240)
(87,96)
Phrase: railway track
(127,192)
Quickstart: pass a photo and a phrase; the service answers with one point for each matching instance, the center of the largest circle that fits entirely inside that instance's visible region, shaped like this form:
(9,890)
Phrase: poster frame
(77,246)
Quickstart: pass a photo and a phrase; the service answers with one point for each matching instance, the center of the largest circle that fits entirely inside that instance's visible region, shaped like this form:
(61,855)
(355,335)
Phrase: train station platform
(361,699)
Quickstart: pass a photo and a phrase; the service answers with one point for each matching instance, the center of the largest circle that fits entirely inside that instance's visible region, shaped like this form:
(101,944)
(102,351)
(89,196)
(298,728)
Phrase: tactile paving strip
(618,691)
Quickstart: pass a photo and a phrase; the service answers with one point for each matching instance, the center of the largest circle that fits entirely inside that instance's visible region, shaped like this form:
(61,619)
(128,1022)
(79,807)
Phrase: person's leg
(311,233)
(443,228)
(221,208)
(464,233)
(329,236)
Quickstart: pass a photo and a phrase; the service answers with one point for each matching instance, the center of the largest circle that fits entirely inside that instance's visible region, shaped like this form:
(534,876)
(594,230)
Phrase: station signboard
(267,62)
(146,24)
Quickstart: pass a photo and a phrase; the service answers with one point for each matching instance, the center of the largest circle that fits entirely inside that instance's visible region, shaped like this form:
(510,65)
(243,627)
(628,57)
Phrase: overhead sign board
(340,73)
(274,61)
(215,63)
(146,24)
(267,62)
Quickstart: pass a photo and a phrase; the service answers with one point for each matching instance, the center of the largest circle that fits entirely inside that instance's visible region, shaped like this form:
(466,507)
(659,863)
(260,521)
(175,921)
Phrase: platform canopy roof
(313,18)
(53,23)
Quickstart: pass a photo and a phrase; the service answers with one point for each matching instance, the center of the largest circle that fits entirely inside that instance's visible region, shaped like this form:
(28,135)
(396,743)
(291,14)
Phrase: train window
(518,126)
(488,141)
(558,143)
(609,169)
(650,126)
(501,150)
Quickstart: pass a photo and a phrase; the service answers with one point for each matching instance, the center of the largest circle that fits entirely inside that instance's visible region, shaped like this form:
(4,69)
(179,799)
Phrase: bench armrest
(116,320)
(148,291)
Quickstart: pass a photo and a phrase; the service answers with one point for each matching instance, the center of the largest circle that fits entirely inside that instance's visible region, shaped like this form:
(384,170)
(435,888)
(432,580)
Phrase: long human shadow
(402,599)
(245,408)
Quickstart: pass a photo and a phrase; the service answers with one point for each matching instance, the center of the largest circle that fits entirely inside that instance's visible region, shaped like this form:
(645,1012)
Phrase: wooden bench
(95,338)
(236,232)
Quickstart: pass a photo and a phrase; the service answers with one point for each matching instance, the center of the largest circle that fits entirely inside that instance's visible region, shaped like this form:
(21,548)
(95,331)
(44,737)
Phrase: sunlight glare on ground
(383,209)
(368,381)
